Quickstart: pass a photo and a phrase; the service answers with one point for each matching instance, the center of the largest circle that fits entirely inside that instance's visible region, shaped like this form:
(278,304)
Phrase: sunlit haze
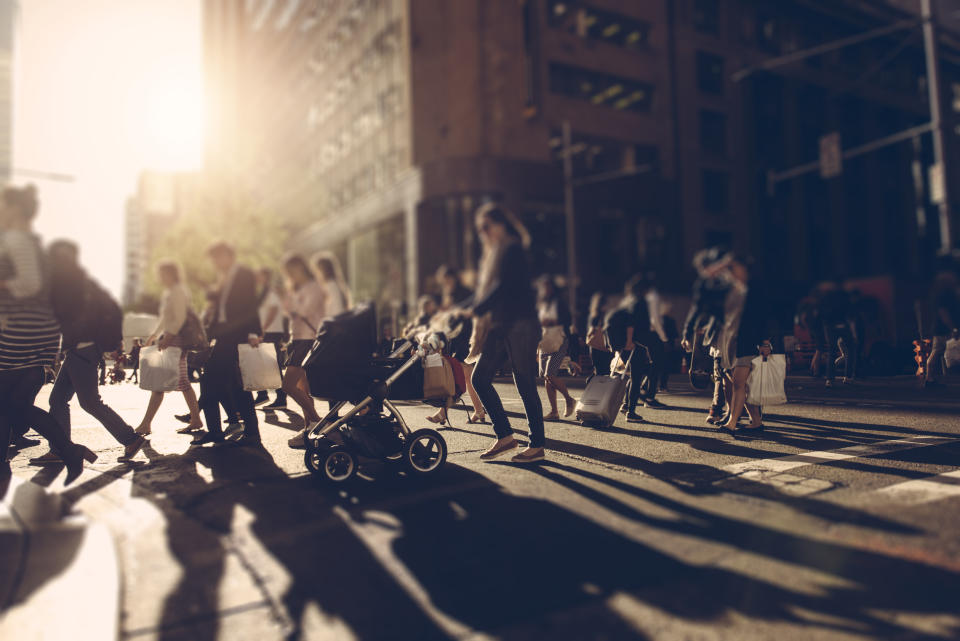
(105,89)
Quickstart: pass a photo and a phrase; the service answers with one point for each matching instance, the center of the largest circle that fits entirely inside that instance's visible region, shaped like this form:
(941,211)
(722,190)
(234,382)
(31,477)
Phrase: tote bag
(258,367)
(159,370)
(765,385)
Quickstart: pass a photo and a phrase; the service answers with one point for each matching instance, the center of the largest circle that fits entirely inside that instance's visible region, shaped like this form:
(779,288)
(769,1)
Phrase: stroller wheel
(335,463)
(424,452)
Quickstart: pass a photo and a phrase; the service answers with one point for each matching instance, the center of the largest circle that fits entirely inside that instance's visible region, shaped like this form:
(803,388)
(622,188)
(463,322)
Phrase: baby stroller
(341,368)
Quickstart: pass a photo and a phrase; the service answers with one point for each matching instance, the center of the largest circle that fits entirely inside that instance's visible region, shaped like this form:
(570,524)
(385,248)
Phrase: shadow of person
(313,566)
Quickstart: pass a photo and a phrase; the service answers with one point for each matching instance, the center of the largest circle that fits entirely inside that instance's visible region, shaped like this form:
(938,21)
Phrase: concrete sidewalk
(59,577)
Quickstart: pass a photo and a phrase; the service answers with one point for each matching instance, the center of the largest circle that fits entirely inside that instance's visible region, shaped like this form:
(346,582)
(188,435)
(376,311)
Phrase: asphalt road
(842,521)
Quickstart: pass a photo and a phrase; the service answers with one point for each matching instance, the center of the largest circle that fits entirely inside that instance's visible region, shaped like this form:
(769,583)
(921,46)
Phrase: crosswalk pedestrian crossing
(776,472)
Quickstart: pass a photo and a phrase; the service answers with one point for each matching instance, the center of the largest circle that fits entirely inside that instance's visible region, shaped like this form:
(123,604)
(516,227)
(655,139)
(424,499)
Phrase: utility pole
(942,190)
(570,213)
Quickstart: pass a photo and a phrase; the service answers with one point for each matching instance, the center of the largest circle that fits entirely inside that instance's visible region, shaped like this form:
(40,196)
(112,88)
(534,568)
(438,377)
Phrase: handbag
(552,340)
(159,369)
(438,380)
(765,386)
(459,376)
(192,335)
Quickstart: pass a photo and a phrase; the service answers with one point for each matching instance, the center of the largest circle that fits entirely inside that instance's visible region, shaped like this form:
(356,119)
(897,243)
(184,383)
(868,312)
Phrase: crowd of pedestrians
(53,313)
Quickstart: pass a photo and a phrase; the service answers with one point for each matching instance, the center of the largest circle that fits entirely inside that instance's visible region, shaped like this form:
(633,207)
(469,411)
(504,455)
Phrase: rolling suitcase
(602,398)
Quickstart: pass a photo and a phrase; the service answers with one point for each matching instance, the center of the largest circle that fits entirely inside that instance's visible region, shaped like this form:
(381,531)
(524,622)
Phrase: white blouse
(174,304)
(334,301)
(21,248)
(306,307)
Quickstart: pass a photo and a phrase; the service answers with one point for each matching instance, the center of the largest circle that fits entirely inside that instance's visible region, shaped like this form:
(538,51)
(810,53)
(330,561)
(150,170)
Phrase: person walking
(135,360)
(506,327)
(330,275)
(833,320)
(236,320)
(91,324)
(271,320)
(306,305)
(174,311)
(600,354)
(945,305)
(749,329)
(555,321)
(29,334)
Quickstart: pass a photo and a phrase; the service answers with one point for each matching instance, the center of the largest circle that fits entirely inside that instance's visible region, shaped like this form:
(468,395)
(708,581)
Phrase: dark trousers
(601,361)
(78,377)
(639,365)
(518,343)
(220,383)
(275,339)
(18,389)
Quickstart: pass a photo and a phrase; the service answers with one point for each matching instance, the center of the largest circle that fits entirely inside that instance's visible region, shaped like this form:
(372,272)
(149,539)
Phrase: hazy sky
(105,88)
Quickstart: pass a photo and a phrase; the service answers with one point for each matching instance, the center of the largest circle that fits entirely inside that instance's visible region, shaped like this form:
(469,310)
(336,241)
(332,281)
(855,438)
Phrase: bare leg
(293,382)
(740,375)
(156,398)
(551,396)
(191,398)
(756,419)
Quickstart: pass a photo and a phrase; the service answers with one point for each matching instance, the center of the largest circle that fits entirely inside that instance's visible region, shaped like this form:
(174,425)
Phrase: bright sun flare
(170,128)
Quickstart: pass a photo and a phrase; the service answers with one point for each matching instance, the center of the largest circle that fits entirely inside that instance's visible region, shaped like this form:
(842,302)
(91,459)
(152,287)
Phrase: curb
(59,576)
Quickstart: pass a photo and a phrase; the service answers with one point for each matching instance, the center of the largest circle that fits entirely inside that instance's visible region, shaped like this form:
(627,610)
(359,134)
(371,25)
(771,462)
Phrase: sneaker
(299,441)
(654,404)
(499,449)
(530,455)
(633,417)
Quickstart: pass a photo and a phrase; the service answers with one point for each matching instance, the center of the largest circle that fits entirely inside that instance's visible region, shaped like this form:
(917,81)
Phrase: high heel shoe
(74,462)
(440,420)
(478,418)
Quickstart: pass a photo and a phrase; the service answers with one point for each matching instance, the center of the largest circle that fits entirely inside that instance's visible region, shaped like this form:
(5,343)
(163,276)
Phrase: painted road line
(933,488)
(772,471)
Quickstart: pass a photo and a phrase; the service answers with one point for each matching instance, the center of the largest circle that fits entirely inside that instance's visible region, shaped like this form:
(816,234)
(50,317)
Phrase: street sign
(937,191)
(831,156)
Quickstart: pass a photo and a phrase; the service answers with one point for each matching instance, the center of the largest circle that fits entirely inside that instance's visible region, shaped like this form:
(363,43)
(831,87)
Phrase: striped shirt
(29,333)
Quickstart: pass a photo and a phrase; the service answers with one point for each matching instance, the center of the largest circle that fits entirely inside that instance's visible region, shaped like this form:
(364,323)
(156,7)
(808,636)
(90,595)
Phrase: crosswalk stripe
(926,490)
(772,471)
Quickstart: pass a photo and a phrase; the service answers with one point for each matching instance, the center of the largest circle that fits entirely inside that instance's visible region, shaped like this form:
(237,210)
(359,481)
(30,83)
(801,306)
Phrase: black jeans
(78,377)
(220,383)
(518,343)
(18,389)
(601,361)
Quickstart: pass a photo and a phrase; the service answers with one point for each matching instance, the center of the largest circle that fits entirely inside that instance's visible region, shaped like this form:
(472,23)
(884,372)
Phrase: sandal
(143,430)
(478,417)
(439,419)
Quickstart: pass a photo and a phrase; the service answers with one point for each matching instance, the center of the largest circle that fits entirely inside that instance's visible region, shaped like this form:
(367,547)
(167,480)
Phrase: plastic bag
(438,381)
(765,385)
(952,354)
(159,370)
(258,367)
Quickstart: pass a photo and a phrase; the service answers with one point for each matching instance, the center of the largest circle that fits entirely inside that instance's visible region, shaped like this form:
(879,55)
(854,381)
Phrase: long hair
(328,266)
(299,262)
(499,214)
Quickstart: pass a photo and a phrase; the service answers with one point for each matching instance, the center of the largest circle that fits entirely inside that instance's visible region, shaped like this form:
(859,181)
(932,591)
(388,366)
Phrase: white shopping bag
(765,385)
(952,355)
(159,370)
(258,368)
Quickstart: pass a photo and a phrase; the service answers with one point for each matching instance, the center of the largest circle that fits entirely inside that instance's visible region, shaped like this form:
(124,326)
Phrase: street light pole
(570,213)
(936,122)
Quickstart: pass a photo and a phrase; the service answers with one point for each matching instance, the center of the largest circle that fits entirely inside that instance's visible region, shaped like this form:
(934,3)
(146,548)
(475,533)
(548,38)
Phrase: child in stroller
(341,368)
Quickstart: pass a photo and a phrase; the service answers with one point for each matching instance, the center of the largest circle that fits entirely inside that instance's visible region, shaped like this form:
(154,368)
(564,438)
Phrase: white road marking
(771,471)
(933,488)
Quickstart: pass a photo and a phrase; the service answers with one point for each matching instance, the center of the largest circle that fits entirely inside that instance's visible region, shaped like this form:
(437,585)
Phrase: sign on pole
(831,156)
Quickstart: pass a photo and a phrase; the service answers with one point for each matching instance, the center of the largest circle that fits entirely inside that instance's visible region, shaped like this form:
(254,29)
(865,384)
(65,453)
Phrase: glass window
(710,73)
(601,89)
(595,24)
(706,16)
(713,131)
(716,191)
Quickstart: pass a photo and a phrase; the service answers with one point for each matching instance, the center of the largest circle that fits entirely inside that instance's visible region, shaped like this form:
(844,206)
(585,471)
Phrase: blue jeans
(518,342)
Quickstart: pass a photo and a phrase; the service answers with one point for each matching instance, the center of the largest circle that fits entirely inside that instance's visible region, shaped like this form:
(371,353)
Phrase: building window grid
(601,89)
(590,23)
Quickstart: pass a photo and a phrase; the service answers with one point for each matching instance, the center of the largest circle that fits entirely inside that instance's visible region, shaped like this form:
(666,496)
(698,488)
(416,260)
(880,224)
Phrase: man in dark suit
(235,321)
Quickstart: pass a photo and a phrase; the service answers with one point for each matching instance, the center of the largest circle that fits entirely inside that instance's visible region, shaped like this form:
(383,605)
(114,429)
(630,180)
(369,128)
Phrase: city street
(841,521)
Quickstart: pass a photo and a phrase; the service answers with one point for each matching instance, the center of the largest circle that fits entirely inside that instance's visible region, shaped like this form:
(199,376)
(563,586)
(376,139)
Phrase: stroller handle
(397,353)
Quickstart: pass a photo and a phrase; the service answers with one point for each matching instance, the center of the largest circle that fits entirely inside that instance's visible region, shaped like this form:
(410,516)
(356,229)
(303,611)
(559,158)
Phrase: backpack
(104,316)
